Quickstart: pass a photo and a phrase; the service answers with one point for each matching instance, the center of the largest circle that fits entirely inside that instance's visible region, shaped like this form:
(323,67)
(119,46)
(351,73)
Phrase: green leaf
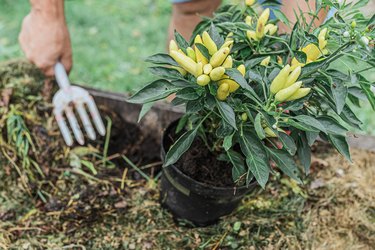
(181,42)
(301,126)
(340,92)
(223,130)
(228,142)
(162,59)
(189,94)
(182,123)
(227,113)
(154,91)
(215,35)
(235,75)
(90,166)
(311,137)
(238,163)
(256,158)
(194,106)
(281,16)
(203,50)
(180,147)
(311,38)
(370,95)
(304,152)
(332,126)
(311,121)
(165,72)
(145,108)
(300,56)
(254,61)
(341,144)
(258,126)
(348,116)
(286,163)
(288,143)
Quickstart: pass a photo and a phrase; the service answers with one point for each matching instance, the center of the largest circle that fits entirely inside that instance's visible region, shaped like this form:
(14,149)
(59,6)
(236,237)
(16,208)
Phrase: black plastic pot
(194,201)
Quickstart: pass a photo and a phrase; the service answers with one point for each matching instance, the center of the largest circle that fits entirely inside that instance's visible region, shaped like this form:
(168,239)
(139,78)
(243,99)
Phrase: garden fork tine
(72,96)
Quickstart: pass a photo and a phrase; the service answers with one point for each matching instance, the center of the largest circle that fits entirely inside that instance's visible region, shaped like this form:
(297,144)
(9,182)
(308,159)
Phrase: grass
(110,41)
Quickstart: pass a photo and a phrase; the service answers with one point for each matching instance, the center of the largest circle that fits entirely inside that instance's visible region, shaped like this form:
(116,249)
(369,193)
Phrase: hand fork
(64,100)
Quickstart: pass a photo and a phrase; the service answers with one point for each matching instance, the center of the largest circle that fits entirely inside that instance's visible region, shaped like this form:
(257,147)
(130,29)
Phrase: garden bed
(118,207)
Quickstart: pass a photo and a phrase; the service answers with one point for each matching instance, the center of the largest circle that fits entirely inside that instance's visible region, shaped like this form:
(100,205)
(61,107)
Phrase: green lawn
(111,39)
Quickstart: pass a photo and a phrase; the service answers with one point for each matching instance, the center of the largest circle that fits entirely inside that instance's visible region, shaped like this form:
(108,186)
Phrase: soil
(202,165)
(127,139)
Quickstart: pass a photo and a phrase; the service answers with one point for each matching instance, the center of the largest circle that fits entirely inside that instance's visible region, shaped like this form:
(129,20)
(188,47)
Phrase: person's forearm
(49,9)
(291,7)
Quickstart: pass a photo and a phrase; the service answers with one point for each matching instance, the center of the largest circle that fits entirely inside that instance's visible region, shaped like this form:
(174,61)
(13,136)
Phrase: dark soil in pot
(198,188)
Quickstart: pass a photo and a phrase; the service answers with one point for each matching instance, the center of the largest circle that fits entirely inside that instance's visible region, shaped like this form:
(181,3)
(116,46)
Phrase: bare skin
(288,10)
(186,16)
(45,37)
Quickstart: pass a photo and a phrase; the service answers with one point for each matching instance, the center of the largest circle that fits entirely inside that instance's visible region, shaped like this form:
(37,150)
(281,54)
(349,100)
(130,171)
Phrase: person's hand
(45,41)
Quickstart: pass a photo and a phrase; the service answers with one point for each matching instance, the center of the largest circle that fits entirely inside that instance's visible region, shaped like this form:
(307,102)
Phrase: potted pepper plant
(255,101)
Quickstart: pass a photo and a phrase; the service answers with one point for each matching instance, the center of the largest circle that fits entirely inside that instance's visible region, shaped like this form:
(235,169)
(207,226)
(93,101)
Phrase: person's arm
(291,7)
(186,14)
(44,36)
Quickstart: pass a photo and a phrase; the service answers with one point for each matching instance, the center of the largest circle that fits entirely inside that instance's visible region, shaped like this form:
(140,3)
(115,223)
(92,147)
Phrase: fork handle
(61,76)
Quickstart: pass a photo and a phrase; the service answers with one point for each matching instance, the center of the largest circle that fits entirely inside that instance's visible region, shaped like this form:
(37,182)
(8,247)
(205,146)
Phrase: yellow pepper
(199,70)
(302,92)
(280,61)
(227,44)
(181,70)
(207,69)
(270,29)
(233,86)
(173,46)
(250,2)
(244,117)
(222,92)
(262,21)
(200,57)
(219,57)
(228,63)
(242,69)
(203,80)
(217,73)
(229,37)
(280,80)
(191,53)
(284,94)
(251,35)
(185,62)
(269,133)
(249,20)
(209,43)
(293,77)
(266,61)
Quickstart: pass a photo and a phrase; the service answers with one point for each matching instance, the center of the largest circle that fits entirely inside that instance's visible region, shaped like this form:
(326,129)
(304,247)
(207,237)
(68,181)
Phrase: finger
(67,58)
(96,116)
(74,125)
(63,128)
(86,121)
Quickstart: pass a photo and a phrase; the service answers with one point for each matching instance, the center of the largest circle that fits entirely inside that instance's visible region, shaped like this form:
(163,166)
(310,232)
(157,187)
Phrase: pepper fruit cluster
(208,70)
(312,51)
(285,86)
(262,28)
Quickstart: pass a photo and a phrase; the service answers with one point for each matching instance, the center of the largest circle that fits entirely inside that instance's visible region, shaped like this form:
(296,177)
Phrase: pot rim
(204,185)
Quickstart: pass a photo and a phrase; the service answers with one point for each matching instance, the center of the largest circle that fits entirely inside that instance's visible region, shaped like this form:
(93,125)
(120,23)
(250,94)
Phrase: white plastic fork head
(73,97)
